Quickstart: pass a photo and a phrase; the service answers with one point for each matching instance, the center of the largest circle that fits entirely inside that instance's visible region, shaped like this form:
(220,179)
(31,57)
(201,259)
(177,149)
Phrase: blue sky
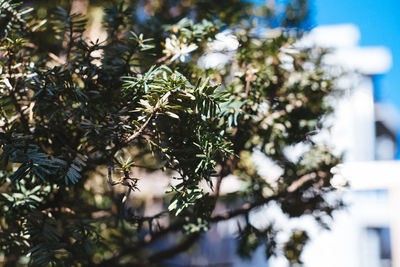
(379,23)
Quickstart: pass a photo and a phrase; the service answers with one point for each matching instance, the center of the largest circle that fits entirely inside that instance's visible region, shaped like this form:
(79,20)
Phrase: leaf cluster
(78,125)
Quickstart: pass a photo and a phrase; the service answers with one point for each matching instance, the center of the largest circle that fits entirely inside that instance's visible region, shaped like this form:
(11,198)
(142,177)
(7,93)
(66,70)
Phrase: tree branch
(243,210)
(175,250)
(18,109)
(157,257)
(134,136)
(144,125)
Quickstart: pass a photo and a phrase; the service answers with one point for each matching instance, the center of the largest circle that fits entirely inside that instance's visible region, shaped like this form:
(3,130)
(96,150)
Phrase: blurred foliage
(79,116)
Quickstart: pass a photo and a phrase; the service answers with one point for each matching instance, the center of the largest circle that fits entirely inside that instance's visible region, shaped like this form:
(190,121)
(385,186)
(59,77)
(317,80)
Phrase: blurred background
(364,36)
(364,39)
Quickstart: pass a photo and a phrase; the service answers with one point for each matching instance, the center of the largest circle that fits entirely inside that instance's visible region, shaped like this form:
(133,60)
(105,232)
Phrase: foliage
(78,122)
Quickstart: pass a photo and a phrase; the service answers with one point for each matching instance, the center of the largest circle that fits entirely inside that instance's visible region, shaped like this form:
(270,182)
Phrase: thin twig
(13,97)
(244,209)
(175,250)
(144,125)
(162,59)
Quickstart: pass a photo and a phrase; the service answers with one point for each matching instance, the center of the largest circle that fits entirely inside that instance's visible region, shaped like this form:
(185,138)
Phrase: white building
(367,233)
